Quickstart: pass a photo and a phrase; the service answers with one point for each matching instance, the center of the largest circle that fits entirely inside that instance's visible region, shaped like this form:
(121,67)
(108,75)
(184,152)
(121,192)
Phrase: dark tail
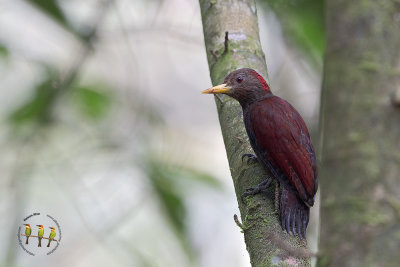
(48,245)
(40,242)
(26,242)
(294,213)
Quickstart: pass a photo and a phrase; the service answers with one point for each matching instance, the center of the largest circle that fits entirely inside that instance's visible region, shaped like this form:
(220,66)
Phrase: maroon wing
(283,139)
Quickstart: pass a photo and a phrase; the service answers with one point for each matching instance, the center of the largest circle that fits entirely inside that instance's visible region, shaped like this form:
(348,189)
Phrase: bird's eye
(239,79)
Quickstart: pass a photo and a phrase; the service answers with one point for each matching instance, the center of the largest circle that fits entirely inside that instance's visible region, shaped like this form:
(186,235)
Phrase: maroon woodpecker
(281,142)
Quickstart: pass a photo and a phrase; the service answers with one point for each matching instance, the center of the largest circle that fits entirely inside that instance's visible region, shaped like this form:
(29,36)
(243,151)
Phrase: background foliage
(103,127)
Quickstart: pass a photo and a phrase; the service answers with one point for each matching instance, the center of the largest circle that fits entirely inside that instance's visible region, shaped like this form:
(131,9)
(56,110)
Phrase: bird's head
(27,225)
(244,85)
(40,226)
(52,228)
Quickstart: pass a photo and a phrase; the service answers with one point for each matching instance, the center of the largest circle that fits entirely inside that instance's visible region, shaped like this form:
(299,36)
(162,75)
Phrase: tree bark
(360,126)
(266,243)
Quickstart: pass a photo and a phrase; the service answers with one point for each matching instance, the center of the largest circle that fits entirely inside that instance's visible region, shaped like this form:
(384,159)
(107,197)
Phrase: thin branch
(41,237)
(226,42)
(214,55)
(238,223)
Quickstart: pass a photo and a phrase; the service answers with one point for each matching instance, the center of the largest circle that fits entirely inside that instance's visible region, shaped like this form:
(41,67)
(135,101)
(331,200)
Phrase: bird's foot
(251,158)
(260,188)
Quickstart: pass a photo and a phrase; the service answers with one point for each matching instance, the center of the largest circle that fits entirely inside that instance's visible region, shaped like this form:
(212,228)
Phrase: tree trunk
(360,126)
(266,243)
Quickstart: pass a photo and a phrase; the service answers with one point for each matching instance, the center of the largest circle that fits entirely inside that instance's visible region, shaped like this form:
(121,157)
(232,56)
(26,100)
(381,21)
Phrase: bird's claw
(251,157)
(251,192)
(261,187)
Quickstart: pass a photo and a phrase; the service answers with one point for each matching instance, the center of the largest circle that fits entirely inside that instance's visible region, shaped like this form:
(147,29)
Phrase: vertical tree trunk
(266,242)
(360,126)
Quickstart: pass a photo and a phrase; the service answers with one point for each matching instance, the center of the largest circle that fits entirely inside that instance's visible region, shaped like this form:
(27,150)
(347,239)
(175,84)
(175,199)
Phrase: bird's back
(52,234)
(281,140)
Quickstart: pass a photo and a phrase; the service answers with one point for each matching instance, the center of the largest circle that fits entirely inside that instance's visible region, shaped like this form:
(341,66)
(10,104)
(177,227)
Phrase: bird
(40,234)
(28,231)
(281,142)
(52,235)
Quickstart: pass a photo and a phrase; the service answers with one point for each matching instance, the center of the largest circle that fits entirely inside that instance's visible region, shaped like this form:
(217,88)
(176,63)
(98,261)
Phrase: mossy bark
(266,243)
(360,126)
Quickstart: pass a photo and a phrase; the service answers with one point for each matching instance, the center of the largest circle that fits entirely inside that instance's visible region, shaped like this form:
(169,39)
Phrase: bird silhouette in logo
(28,232)
(40,234)
(52,235)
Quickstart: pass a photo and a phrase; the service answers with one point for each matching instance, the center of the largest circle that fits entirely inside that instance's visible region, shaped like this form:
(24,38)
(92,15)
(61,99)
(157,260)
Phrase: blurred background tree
(360,132)
(104,127)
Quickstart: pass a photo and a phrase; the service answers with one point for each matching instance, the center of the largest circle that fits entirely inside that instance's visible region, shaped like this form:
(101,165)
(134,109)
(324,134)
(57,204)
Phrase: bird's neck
(246,102)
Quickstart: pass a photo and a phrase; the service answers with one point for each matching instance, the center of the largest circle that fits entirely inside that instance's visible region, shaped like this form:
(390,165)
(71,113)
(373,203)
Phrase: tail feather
(294,213)
(27,240)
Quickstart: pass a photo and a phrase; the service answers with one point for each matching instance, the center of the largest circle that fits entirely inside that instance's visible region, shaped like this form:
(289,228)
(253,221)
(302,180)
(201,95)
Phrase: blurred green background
(105,129)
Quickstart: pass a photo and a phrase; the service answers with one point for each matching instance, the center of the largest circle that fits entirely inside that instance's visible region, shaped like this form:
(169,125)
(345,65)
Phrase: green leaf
(170,197)
(188,173)
(38,107)
(167,190)
(166,180)
(52,8)
(303,23)
(93,101)
(3,51)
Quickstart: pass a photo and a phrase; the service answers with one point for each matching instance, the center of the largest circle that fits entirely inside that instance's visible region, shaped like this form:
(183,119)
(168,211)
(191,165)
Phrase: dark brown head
(244,85)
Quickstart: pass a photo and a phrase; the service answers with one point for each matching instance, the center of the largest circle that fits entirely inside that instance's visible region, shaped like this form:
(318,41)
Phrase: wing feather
(283,140)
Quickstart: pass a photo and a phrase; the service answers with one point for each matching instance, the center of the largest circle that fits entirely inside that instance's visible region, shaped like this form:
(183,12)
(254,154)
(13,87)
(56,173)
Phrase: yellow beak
(219,89)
